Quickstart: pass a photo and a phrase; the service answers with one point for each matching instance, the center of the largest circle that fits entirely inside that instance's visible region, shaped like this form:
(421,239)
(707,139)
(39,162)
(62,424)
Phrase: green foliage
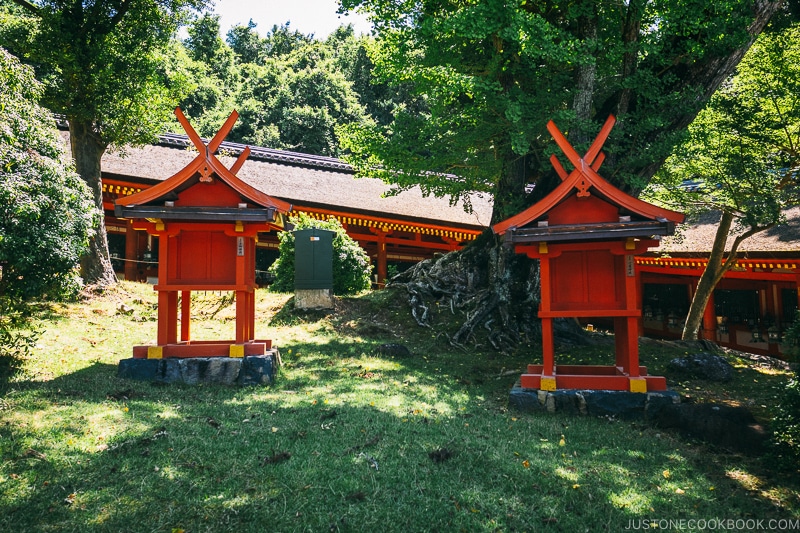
(351,268)
(786,424)
(296,101)
(17,337)
(45,214)
(292,91)
(743,147)
(791,339)
(493,72)
(45,217)
(245,42)
(105,68)
(102,63)
(742,152)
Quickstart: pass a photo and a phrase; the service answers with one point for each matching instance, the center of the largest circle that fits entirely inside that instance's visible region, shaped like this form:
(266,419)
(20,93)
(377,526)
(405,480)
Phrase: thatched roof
(697,237)
(303,180)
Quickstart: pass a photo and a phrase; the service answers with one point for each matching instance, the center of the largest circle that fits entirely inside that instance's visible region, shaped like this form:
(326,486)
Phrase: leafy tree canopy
(292,91)
(493,72)
(741,156)
(101,62)
(104,68)
(743,150)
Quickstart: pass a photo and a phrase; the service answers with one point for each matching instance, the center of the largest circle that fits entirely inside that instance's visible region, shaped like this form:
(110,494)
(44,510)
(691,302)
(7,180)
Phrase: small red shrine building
(207,221)
(586,234)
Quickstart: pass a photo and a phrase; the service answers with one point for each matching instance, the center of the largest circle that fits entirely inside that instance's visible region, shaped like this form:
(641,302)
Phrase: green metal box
(313,259)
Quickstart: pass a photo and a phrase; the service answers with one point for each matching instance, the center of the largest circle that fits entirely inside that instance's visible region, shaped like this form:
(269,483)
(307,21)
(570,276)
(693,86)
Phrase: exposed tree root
(493,291)
(485,284)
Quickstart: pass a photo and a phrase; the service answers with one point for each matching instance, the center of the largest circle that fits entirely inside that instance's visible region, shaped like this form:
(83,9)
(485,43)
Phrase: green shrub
(351,267)
(46,212)
(17,337)
(786,424)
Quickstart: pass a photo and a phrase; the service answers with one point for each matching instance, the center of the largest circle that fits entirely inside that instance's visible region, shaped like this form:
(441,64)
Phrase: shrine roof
(696,236)
(584,181)
(303,180)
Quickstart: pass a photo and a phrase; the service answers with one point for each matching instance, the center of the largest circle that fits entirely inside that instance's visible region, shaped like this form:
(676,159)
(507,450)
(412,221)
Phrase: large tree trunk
(714,271)
(87,150)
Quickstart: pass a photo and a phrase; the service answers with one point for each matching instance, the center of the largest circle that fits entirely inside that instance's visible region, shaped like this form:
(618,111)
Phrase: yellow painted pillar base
(638,384)
(155,352)
(547,383)
(236,350)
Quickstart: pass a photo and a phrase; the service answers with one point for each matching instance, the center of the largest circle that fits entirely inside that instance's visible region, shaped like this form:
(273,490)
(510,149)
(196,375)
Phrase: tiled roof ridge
(264,154)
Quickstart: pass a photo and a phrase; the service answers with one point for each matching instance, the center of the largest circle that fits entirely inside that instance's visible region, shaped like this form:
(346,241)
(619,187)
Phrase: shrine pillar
(709,330)
(131,252)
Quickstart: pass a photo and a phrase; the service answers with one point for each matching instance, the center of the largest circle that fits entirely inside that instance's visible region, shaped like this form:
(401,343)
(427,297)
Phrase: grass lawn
(347,440)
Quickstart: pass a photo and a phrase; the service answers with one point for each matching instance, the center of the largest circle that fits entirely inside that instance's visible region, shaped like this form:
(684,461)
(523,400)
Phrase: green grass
(346,440)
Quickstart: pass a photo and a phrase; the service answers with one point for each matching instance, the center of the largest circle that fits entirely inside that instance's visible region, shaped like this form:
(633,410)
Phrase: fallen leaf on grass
(30,452)
(276,458)
(69,500)
(92,341)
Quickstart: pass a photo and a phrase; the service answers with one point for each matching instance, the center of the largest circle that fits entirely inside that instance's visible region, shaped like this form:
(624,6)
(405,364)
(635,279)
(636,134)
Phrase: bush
(786,424)
(46,212)
(17,338)
(351,268)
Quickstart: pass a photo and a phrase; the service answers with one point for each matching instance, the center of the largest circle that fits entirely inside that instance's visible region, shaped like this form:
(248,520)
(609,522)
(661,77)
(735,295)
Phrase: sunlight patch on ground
(631,500)
(745,479)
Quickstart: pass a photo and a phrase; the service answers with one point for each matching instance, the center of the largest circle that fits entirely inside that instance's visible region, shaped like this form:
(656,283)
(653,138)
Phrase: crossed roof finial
(587,165)
(213,146)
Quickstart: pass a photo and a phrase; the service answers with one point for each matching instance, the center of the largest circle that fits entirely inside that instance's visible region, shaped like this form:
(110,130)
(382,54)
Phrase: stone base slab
(313,299)
(248,370)
(619,404)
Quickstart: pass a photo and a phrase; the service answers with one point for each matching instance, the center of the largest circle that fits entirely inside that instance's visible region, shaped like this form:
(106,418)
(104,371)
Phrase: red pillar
(131,253)
(710,320)
(167,317)
(548,350)
(383,271)
(186,315)
(167,300)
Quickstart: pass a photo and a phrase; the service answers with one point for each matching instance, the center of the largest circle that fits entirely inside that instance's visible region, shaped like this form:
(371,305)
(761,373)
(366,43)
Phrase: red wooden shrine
(207,221)
(585,235)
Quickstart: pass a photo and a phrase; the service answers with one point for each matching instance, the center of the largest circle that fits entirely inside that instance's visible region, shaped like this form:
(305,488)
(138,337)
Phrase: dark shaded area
(729,427)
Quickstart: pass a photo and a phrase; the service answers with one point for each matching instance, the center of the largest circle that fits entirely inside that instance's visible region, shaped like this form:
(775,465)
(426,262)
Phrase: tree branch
(27,6)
